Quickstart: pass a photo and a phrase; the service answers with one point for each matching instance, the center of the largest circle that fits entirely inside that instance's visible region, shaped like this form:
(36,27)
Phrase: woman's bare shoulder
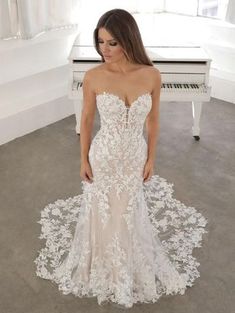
(152,75)
(152,71)
(94,77)
(94,72)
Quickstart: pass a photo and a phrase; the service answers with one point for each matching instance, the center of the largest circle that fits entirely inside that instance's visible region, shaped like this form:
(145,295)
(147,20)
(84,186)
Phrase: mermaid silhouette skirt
(121,240)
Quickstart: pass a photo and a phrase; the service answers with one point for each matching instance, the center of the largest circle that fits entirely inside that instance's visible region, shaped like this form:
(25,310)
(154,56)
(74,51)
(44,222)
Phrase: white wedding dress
(121,240)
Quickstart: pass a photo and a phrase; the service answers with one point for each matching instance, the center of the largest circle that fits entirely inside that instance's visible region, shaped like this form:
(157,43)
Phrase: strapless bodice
(115,114)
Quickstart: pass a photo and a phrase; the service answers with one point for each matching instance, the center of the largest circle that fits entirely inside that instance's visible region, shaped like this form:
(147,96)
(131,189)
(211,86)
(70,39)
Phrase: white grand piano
(184,71)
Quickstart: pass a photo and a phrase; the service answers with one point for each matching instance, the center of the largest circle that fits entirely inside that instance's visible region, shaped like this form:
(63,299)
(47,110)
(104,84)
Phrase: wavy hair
(124,29)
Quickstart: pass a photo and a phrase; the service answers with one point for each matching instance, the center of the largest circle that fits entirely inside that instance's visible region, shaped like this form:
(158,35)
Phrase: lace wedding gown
(121,240)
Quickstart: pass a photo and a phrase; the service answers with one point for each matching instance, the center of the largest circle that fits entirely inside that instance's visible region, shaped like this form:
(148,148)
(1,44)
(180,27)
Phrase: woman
(125,239)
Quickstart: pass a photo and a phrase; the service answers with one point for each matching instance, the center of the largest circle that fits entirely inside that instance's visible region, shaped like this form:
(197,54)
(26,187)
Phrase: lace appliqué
(121,240)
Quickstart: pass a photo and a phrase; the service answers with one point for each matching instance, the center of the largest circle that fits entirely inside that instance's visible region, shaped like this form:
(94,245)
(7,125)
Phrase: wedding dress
(121,240)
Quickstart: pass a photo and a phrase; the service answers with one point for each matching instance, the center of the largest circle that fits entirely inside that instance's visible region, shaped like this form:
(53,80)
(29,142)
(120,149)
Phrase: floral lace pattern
(121,240)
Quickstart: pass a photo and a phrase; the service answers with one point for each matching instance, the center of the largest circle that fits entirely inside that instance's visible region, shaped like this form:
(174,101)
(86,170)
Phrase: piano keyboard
(191,91)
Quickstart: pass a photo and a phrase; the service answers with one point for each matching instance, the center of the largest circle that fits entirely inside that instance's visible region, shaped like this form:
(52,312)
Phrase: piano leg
(196,108)
(78,113)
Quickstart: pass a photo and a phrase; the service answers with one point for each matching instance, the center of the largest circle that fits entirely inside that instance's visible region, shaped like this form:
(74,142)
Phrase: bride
(125,239)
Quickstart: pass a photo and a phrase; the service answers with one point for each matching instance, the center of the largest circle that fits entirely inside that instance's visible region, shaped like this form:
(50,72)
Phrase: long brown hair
(123,27)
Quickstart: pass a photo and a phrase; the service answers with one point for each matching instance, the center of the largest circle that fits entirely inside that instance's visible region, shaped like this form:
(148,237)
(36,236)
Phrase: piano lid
(82,53)
(181,54)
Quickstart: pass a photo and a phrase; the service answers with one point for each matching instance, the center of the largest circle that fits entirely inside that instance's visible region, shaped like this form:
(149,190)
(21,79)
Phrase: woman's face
(109,47)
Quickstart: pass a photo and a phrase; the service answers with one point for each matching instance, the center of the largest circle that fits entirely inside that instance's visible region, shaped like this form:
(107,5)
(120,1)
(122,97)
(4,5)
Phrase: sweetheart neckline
(121,100)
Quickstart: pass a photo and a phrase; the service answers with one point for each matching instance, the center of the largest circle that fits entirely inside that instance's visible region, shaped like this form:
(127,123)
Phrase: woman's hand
(148,170)
(86,172)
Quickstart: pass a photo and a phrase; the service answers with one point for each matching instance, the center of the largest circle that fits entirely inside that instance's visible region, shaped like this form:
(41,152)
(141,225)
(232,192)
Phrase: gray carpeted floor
(44,166)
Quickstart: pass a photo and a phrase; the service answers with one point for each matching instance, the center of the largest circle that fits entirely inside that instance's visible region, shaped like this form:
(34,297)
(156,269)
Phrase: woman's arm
(88,115)
(152,120)
(152,126)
